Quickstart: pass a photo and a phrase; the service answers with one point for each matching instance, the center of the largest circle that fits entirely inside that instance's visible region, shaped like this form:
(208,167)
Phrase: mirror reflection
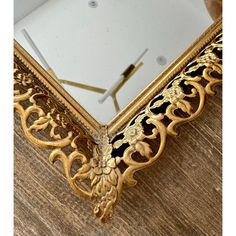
(105,52)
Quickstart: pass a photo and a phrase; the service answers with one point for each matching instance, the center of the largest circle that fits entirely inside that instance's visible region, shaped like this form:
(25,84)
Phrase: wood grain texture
(179,195)
(214,8)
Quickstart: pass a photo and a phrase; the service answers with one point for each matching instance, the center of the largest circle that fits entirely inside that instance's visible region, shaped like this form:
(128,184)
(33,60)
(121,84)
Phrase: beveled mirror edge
(163,79)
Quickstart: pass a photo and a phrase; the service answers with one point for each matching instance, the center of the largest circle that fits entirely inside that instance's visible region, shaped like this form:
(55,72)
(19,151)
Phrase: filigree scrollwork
(106,163)
(180,101)
(40,111)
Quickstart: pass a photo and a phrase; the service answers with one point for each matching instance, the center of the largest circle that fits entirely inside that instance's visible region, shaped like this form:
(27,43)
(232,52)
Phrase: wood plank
(179,195)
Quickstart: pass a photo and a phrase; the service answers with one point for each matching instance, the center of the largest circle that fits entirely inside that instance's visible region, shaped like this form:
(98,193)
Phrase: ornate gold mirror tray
(100,159)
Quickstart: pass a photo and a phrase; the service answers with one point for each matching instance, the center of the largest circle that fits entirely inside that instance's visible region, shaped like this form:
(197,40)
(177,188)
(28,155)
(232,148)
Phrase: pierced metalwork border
(109,163)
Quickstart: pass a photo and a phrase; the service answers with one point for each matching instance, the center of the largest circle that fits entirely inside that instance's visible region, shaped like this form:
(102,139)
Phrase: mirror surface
(87,45)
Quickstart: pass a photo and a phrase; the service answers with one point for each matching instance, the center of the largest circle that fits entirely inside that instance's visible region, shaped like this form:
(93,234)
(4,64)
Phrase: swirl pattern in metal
(106,163)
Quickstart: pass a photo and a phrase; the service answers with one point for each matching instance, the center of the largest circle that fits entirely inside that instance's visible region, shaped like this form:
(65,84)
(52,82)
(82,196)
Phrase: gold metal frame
(107,156)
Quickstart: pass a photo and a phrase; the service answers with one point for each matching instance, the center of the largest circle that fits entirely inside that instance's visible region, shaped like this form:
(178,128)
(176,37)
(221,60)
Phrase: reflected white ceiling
(24,7)
(93,46)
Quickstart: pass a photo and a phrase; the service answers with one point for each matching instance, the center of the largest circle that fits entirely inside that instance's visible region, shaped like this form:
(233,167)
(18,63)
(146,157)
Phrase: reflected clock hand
(131,69)
(51,71)
(35,48)
(83,86)
(122,77)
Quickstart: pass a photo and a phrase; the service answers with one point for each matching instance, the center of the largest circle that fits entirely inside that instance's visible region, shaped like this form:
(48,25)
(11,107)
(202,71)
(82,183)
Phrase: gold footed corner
(109,163)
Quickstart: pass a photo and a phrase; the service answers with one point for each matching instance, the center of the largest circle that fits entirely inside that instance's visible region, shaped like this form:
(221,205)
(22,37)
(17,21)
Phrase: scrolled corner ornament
(109,163)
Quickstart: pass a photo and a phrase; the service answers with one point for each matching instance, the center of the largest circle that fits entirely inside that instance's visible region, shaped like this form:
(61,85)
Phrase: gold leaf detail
(101,160)
(41,124)
(143,148)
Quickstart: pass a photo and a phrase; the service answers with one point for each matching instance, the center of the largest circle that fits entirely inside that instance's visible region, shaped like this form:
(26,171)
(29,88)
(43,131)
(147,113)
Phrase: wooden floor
(179,195)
